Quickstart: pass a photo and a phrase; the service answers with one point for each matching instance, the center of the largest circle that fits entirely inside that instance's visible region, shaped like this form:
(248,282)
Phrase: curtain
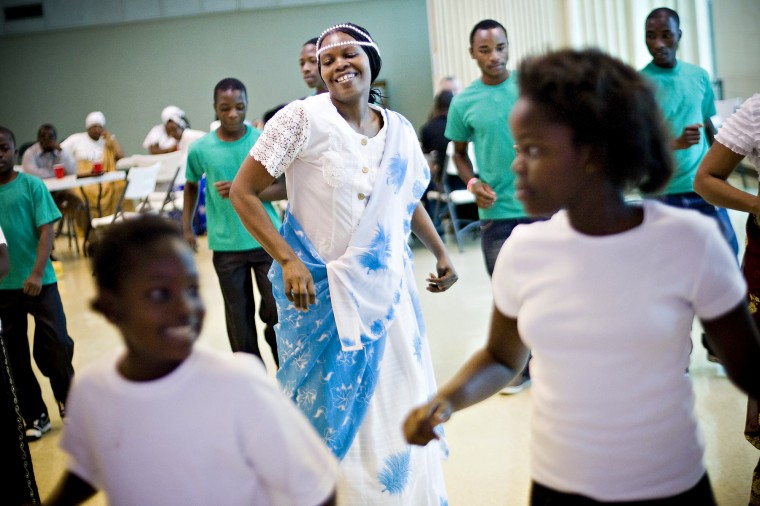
(535,26)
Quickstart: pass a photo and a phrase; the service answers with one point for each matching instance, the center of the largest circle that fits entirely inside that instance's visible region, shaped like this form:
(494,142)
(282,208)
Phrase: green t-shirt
(220,161)
(25,205)
(480,114)
(685,96)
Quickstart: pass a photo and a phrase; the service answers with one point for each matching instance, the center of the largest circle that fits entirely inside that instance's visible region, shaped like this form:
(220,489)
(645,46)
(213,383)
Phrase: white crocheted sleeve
(741,131)
(283,139)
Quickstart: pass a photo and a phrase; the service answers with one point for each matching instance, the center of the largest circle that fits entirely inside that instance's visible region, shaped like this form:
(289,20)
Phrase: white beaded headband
(370,43)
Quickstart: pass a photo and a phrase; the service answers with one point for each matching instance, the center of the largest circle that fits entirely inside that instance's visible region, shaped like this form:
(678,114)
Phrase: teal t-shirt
(685,96)
(25,205)
(479,114)
(220,161)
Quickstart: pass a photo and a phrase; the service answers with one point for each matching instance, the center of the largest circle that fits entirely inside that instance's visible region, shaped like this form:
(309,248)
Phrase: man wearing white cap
(89,145)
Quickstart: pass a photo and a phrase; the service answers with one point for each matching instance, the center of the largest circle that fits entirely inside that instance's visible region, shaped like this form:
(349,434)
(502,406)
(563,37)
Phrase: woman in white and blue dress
(354,354)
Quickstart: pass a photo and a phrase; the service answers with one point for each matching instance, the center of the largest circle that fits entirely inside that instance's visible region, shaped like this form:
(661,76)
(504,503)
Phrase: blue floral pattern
(395,474)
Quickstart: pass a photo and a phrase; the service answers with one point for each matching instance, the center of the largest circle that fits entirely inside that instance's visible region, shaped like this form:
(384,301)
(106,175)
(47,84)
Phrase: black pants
(233,268)
(17,479)
(700,494)
(53,348)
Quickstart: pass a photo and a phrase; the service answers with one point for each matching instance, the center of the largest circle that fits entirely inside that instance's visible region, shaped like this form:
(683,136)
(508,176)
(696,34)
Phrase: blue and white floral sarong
(358,360)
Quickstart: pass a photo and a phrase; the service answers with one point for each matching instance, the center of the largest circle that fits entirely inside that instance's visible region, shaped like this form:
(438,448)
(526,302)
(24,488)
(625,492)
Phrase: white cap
(173,113)
(95,118)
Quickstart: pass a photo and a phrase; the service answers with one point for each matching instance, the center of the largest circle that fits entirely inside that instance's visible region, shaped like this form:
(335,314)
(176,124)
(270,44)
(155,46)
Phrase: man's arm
(5,262)
(484,194)
(33,284)
(190,199)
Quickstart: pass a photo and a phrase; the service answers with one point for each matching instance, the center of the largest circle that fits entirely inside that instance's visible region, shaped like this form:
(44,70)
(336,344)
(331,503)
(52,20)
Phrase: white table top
(72,181)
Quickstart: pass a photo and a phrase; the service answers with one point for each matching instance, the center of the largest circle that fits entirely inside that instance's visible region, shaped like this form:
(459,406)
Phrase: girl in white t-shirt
(164,421)
(604,293)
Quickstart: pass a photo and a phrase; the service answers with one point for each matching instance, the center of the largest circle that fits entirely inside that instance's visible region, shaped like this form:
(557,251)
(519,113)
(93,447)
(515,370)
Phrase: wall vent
(19,12)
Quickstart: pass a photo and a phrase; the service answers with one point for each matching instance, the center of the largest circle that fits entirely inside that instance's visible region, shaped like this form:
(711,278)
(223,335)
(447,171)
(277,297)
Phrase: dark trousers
(53,348)
(493,235)
(233,268)
(700,494)
(17,479)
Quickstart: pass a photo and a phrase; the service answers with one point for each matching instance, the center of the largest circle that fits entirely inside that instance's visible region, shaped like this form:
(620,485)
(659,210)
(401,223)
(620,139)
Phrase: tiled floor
(488,464)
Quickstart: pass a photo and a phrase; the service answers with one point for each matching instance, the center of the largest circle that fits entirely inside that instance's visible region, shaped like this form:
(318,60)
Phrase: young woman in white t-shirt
(604,293)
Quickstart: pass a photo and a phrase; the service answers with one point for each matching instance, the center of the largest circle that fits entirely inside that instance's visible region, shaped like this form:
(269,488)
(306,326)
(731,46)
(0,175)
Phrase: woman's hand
(299,285)
(420,423)
(446,277)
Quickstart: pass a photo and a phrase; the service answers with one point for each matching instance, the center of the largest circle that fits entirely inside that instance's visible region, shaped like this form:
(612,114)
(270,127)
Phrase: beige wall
(132,71)
(737,46)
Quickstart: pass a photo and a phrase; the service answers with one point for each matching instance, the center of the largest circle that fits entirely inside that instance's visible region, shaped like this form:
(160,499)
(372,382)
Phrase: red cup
(97,167)
(59,172)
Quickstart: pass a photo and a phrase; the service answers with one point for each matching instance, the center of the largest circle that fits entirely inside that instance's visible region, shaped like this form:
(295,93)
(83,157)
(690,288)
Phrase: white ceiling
(62,14)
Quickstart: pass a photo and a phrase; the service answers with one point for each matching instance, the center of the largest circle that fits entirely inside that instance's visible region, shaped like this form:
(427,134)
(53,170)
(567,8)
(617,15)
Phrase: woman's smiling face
(345,67)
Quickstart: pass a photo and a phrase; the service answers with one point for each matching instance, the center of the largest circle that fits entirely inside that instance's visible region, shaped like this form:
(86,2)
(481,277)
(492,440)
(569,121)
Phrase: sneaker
(516,386)
(38,427)
(62,410)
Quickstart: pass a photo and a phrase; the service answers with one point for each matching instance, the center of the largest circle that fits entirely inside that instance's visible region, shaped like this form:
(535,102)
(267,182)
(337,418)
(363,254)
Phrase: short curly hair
(609,106)
(124,243)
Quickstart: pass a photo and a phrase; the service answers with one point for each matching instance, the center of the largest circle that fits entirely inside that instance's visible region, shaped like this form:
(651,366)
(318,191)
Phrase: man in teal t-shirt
(236,254)
(27,214)
(686,99)
(479,114)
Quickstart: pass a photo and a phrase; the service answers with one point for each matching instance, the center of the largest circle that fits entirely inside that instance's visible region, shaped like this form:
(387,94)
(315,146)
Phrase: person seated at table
(179,129)
(40,158)
(89,146)
(162,138)
(97,145)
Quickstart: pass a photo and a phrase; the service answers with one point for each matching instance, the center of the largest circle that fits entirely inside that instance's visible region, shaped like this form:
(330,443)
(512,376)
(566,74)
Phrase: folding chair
(457,200)
(167,195)
(171,178)
(141,181)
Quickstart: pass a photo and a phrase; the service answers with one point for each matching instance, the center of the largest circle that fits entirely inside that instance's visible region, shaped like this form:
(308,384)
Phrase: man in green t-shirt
(479,114)
(686,99)
(236,254)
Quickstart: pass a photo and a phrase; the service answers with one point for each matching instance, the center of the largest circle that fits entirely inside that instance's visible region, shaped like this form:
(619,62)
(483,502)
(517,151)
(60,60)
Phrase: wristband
(471,183)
